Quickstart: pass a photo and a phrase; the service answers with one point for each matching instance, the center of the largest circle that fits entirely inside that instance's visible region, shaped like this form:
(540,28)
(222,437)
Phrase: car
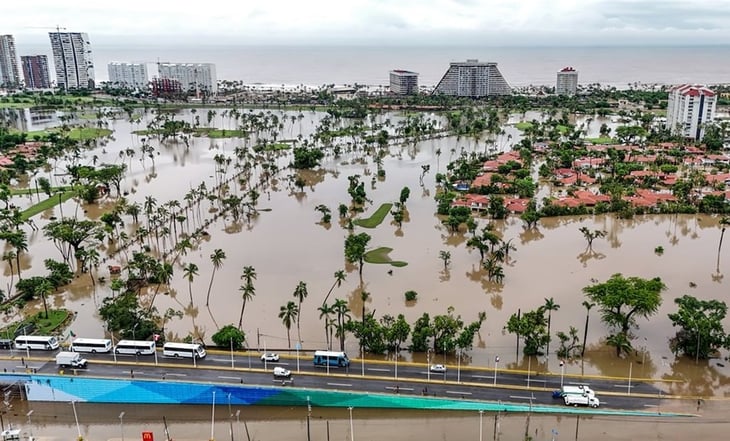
(270,356)
(6,344)
(438,368)
(280,372)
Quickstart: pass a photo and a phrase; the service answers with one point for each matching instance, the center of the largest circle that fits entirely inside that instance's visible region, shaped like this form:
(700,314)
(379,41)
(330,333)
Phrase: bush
(411,296)
(228,335)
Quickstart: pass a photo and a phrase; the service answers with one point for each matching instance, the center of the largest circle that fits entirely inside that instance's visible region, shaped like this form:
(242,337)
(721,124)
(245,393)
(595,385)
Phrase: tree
(532,327)
(247,290)
(343,317)
(446,257)
(355,246)
(43,290)
(229,337)
(569,346)
(588,305)
(324,313)
(622,300)
(340,276)
(590,236)
(404,193)
(288,314)
(216,259)
(550,306)
(701,333)
(70,235)
(300,293)
(189,272)
(724,222)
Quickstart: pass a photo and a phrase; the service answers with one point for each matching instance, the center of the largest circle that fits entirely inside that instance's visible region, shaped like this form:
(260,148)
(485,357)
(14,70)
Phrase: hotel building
(73,60)
(473,79)
(689,108)
(193,77)
(403,82)
(9,76)
(567,82)
(35,71)
(129,75)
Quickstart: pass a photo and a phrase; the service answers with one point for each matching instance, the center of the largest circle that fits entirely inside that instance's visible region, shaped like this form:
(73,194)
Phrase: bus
(186,350)
(92,345)
(135,347)
(44,342)
(336,359)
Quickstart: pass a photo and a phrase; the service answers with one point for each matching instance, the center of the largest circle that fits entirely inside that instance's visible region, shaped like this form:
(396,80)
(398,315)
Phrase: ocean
(369,65)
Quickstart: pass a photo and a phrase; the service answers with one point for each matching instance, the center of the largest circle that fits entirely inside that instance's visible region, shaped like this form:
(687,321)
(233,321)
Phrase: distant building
(35,71)
(567,83)
(403,82)
(162,87)
(9,76)
(473,79)
(73,60)
(193,77)
(689,108)
(129,75)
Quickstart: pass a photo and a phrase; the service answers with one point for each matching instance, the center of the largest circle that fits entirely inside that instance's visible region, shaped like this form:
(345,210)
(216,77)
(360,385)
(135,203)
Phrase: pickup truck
(70,359)
(585,400)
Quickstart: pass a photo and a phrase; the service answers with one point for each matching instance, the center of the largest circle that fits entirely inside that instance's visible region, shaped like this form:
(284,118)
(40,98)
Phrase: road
(380,377)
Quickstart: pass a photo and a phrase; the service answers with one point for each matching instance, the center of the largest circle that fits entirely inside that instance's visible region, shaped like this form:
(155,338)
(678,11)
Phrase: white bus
(187,350)
(44,342)
(92,345)
(331,358)
(135,347)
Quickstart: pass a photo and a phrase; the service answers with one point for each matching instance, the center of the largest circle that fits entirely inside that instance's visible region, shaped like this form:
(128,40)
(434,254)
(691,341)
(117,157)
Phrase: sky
(377,22)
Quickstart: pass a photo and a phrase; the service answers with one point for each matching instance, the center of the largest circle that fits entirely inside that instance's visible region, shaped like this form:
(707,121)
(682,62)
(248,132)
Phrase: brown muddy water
(286,244)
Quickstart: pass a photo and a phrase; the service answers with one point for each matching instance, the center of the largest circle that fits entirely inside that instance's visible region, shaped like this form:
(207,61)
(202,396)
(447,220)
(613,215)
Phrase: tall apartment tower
(73,60)
(567,82)
(193,77)
(9,76)
(689,108)
(403,82)
(35,71)
(131,75)
(474,79)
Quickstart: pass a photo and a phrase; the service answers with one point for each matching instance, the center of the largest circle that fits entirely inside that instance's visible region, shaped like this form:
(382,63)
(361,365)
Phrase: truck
(70,359)
(585,400)
(577,390)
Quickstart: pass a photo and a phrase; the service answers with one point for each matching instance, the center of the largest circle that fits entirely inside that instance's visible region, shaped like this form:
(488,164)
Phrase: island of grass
(376,218)
(76,133)
(39,324)
(380,256)
(210,132)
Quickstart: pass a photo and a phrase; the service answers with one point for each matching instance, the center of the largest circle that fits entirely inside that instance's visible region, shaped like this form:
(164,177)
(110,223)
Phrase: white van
(92,345)
(186,350)
(42,342)
(135,347)
(280,372)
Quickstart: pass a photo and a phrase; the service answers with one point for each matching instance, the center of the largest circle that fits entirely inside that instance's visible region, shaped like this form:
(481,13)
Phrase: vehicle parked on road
(439,368)
(270,357)
(135,347)
(331,358)
(577,390)
(280,372)
(93,345)
(43,342)
(585,400)
(70,359)
(186,350)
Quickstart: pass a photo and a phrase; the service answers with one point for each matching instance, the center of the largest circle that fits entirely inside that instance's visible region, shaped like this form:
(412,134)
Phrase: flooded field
(286,243)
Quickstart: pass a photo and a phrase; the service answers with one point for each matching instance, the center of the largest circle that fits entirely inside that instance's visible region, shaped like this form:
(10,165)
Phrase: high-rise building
(567,82)
(403,82)
(162,87)
(689,108)
(9,76)
(473,79)
(131,75)
(193,77)
(73,60)
(35,71)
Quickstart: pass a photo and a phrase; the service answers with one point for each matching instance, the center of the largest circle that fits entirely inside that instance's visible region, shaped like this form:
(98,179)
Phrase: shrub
(411,296)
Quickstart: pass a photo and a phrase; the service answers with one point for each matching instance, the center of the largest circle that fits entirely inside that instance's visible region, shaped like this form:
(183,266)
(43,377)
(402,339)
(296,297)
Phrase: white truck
(585,400)
(577,390)
(70,359)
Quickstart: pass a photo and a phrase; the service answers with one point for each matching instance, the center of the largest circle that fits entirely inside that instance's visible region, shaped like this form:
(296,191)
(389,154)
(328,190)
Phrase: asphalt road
(380,377)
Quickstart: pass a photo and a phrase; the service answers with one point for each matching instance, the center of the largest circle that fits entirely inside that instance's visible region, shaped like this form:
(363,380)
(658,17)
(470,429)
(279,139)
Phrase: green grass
(46,204)
(7,105)
(523,125)
(44,326)
(602,140)
(76,133)
(380,256)
(376,218)
(211,132)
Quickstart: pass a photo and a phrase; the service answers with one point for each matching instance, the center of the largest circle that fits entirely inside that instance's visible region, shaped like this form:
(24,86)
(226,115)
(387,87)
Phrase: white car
(440,368)
(270,356)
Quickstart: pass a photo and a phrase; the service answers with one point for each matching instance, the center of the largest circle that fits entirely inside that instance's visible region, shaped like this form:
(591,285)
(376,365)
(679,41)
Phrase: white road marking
(175,375)
(491,377)
(379,369)
(228,378)
(339,384)
(409,389)
(457,392)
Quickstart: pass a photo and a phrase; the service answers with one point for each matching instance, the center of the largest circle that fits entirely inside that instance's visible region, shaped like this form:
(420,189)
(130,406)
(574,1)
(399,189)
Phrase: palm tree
(324,312)
(724,222)
(247,289)
(300,293)
(550,306)
(43,289)
(339,278)
(343,316)
(163,274)
(588,305)
(216,259)
(288,313)
(189,272)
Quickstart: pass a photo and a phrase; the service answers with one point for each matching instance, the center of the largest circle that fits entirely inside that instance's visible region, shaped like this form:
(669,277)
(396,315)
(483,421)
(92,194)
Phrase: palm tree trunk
(240,318)
(547,349)
(585,336)
(210,286)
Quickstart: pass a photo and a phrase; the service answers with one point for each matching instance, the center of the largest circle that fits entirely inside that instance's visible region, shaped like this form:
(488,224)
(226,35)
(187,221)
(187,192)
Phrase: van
(6,344)
(280,372)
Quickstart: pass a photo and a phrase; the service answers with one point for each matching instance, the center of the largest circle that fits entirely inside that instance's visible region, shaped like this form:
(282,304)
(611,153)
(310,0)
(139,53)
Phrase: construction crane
(57,28)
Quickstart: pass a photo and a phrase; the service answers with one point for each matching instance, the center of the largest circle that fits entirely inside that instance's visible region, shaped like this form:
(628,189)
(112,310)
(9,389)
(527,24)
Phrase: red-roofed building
(484,180)
(590,199)
(589,163)
(473,201)
(689,108)
(516,205)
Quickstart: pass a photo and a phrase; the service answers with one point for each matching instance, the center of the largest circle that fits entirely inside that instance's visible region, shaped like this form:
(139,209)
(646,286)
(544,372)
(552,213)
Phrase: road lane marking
(532,380)
(168,374)
(515,397)
(339,384)
(491,377)
(379,369)
(457,392)
(409,389)
(229,378)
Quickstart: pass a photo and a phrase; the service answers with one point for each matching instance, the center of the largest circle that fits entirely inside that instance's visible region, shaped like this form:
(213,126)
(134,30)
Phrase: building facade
(198,78)
(567,82)
(9,75)
(473,79)
(129,75)
(689,108)
(73,60)
(35,71)
(164,87)
(403,82)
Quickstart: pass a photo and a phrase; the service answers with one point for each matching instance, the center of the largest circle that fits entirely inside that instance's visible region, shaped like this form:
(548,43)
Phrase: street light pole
(121,424)
(396,362)
(481,414)
(562,372)
(458,364)
(352,433)
(30,425)
(76,418)
(496,363)
(212,420)
(428,364)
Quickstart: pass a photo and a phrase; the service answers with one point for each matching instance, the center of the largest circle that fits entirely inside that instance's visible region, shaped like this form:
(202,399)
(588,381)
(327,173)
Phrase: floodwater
(286,243)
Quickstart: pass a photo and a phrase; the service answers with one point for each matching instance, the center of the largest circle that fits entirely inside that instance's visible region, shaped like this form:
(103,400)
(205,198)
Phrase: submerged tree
(532,327)
(701,333)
